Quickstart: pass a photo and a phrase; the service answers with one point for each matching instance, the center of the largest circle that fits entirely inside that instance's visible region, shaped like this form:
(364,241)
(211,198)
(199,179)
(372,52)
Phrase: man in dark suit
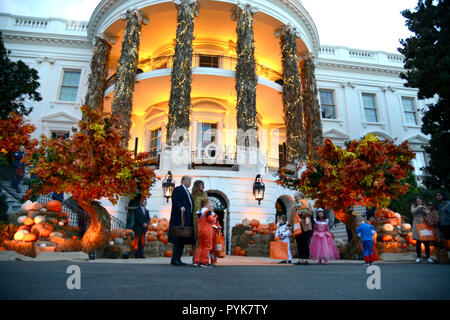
(181,203)
(141,221)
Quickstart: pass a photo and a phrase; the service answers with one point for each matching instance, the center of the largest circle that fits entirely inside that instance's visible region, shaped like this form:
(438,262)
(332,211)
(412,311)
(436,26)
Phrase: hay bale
(66,245)
(21,247)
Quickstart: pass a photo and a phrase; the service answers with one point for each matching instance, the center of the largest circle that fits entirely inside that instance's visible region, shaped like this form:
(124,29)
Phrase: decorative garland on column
(246,78)
(126,73)
(180,91)
(99,72)
(292,97)
(313,122)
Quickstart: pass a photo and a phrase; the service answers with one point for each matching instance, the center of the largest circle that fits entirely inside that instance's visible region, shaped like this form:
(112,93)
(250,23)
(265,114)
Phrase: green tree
(18,82)
(427,65)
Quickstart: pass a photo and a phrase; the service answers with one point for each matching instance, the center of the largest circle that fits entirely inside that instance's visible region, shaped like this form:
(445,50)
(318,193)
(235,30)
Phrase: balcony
(200,61)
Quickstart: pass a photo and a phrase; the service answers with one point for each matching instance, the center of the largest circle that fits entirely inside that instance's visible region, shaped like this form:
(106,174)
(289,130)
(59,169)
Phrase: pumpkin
(387,237)
(245,223)
(128,234)
(29,237)
(54,205)
(39,219)
(154,220)
(248,232)
(404,245)
(3,249)
(43,229)
(273,226)
(28,221)
(163,225)
(19,234)
(379,213)
(23,227)
(392,221)
(164,238)
(151,238)
(37,206)
(56,234)
(160,233)
(388,227)
(239,225)
(62,215)
(243,253)
(168,253)
(406,227)
(237,250)
(21,219)
(252,242)
(254,223)
(390,214)
(43,210)
(153,227)
(115,233)
(27,205)
(154,233)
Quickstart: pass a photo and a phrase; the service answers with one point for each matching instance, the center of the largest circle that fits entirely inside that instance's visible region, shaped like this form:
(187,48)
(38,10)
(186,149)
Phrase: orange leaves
(367,172)
(14,132)
(90,164)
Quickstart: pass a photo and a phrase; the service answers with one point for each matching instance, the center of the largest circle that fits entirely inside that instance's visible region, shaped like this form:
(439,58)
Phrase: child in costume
(283,232)
(322,245)
(216,231)
(366,231)
(205,218)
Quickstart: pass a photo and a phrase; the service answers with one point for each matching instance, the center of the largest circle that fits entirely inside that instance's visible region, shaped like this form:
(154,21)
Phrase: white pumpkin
(388,227)
(56,234)
(43,210)
(19,234)
(246,222)
(21,219)
(39,219)
(111,243)
(118,241)
(27,205)
(61,223)
(406,227)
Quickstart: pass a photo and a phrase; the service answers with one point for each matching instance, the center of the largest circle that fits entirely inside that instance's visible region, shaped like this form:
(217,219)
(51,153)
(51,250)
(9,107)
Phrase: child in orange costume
(205,218)
(216,232)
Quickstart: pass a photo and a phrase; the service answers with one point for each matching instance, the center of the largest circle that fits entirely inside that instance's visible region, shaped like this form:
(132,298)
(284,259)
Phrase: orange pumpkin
(254,223)
(164,238)
(128,234)
(54,205)
(272,226)
(115,233)
(160,233)
(24,227)
(3,249)
(37,206)
(151,227)
(28,221)
(168,253)
(252,242)
(153,220)
(389,213)
(243,253)
(151,238)
(42,229)
(74,237)
(237,250)
(387,237)
(392,221)
(29,237)
(163,225)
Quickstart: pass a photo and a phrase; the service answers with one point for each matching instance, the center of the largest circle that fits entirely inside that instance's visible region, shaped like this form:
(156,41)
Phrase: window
(69,85)
(155,143)
(282,155)
(207,134)
(409,109)
(208,61)
(327,105)
(418,163)
(57,134)
(370,107)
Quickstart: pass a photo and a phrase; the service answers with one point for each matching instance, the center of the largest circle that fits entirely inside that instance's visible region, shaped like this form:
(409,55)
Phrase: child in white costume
(283,232)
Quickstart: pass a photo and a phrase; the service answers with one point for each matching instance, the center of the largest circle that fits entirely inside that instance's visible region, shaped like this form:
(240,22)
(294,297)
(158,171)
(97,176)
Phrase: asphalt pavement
(64,280)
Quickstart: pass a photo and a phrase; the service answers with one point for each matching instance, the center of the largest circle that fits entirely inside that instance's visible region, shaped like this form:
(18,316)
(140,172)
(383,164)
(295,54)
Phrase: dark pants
(178,248)
(16,178)
(303,244)
(419,248)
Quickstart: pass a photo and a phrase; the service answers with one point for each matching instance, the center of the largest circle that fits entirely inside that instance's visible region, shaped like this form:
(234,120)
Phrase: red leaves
(14,132)
(91,164)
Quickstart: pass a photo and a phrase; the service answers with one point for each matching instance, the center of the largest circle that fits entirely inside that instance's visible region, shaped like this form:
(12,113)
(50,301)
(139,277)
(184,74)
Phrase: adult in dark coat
(141,221)
(182,202)
(18,168)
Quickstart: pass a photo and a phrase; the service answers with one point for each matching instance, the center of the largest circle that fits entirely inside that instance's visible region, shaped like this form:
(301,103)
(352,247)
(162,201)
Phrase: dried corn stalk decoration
(292,97)
(99,72)
(246,78)
(313,123)
(126,73)
(180,91)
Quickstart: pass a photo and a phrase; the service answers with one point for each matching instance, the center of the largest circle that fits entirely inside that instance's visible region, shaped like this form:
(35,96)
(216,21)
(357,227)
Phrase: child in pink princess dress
(322,245)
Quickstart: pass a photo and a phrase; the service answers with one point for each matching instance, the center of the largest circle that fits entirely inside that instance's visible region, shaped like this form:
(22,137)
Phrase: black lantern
(168,185)
(258,189)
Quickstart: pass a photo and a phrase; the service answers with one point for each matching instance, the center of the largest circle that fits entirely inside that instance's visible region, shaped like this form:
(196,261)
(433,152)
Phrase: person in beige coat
(306,224)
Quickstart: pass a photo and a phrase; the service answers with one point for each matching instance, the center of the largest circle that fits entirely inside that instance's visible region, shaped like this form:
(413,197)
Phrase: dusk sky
(364,24)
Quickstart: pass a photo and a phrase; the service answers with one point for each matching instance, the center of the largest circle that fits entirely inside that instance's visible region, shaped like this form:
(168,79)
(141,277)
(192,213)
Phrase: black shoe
(298,263)
(282,261)
(177,263)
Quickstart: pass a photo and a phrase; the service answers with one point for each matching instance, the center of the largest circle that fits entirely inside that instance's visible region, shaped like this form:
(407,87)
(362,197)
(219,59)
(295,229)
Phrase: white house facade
(359,92)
